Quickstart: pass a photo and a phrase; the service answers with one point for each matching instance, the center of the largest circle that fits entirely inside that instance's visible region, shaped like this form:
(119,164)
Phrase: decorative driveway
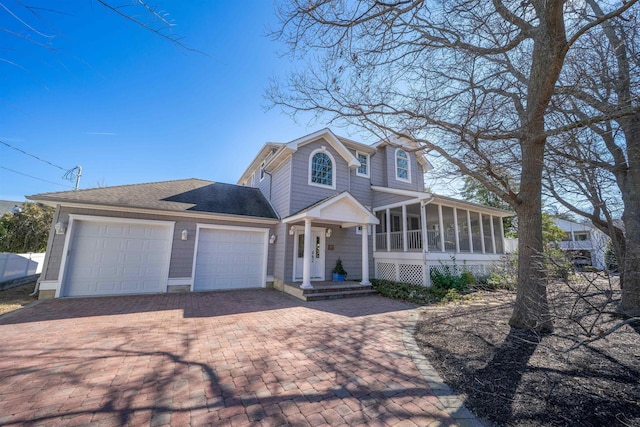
(240,358)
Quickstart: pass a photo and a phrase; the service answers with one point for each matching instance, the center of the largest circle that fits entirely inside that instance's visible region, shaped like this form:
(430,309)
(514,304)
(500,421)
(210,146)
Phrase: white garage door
(111,258)
(230,259)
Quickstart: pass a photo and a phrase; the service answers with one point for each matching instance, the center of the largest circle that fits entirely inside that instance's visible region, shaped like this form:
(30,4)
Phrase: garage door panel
(113,258)
(230,259)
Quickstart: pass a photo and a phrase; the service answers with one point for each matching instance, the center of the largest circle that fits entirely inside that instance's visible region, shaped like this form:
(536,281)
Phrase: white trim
(161,212)
(316,212)
(332,139)
(333,169)
(367,164)
(179,281)
(91,218)
(395,157)
(399,192)
(49,285)
(200,226)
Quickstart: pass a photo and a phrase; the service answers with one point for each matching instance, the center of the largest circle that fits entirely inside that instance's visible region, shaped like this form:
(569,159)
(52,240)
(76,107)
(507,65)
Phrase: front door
(317,254)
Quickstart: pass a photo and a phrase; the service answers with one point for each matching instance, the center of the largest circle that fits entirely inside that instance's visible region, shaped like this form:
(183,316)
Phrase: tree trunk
(630,303)
(531,310)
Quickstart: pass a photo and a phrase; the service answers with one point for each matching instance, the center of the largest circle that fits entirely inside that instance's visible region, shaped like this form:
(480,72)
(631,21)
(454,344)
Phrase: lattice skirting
(416,273)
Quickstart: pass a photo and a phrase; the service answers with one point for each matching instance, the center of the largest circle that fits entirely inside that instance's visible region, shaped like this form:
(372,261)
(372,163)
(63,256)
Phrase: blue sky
(131,107)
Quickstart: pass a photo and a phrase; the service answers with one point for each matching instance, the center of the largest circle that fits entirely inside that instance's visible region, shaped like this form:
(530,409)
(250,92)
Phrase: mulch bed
(516,377)
(14,298)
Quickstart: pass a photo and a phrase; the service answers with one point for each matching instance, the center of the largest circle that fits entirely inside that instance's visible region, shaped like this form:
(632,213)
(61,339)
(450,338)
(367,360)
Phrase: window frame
(408,169)
(261,172)
(322,150)
(367,164)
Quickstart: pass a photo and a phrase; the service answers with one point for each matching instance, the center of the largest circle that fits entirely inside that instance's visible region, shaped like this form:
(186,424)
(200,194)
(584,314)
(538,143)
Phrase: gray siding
(379,168)
(181,252)
(383,199)
(281,188)
(303,194)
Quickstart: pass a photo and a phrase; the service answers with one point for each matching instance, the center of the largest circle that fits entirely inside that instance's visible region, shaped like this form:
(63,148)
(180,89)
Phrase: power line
(31,155)
(35,177)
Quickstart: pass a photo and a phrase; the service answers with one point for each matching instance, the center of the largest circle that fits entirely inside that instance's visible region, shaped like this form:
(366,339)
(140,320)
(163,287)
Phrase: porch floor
(329,290)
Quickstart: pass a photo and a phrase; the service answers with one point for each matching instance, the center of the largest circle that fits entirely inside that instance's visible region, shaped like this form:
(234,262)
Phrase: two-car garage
(108,256)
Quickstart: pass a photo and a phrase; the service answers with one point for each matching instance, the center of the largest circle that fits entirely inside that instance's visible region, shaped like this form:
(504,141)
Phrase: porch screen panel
(433,227)
(497,228)
(414,228)
(486,228)
(475,232)
(397,243)
(381,237)
(449,229)
(463,231)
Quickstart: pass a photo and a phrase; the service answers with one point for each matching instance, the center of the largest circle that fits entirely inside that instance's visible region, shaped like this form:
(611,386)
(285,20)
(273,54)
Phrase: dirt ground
(517,378)
(14,298)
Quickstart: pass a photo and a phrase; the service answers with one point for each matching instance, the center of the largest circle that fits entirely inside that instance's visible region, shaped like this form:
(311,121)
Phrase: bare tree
(602,162)
(469,80)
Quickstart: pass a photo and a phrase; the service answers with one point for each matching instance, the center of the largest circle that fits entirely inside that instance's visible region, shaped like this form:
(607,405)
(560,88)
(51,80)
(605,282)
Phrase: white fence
(15,266)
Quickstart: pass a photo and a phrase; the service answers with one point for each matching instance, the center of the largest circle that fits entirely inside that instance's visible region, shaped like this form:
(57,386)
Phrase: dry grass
(15,298)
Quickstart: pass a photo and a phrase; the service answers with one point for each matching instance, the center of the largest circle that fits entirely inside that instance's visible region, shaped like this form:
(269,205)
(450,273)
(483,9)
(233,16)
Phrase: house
(586,244)
(297,208)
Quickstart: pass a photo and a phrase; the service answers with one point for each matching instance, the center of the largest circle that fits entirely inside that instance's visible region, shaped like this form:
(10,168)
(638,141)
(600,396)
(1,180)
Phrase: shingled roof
(186,195)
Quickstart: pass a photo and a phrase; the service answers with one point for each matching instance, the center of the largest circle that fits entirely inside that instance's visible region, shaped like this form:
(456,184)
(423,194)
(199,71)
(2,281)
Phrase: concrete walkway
(241,358)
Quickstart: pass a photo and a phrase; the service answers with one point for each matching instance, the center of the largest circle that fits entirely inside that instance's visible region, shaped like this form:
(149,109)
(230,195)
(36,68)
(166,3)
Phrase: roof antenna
(70,175)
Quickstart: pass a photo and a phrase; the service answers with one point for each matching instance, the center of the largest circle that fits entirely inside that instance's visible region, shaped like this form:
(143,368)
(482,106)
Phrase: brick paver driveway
(254,357)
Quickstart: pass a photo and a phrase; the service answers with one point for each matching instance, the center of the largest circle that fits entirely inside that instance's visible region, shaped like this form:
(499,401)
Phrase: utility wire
(35,177)
(31,155)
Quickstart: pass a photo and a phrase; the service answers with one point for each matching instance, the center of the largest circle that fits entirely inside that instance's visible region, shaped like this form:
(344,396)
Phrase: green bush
(416,294)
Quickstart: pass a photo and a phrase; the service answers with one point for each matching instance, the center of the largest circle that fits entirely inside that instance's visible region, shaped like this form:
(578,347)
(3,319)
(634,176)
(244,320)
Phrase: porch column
(456,231)
(405,245)
(470,232)
(423,225)
(365,255)
(481,232)
(306,266)
(493,234)
(441,223)
(502,235)
(387,219)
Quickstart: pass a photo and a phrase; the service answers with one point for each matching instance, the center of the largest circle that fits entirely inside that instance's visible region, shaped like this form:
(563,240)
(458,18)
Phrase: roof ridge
(82,190)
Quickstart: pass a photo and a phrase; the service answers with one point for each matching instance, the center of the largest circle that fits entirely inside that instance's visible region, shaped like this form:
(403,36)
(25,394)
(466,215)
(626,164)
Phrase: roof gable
(341,208)
(332,139)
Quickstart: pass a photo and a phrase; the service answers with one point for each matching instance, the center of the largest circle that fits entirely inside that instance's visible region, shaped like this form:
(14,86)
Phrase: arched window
(321,169)
(403,170)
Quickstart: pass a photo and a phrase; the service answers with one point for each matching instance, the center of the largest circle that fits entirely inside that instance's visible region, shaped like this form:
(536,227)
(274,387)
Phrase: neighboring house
(587,244)
(9,206)
(298,207)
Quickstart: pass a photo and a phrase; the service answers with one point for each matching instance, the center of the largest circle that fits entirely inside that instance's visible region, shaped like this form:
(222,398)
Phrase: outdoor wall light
(329,232)
(272,239)
(185,234)
(292,231)
(60,227)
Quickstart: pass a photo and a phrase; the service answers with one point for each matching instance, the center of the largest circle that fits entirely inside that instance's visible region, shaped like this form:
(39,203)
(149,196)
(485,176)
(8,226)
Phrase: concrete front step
(329,290)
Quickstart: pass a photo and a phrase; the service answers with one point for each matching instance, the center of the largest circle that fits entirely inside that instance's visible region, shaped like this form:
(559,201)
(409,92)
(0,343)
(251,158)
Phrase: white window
(321,169)
(363,170)
(262,171)
(403,167)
